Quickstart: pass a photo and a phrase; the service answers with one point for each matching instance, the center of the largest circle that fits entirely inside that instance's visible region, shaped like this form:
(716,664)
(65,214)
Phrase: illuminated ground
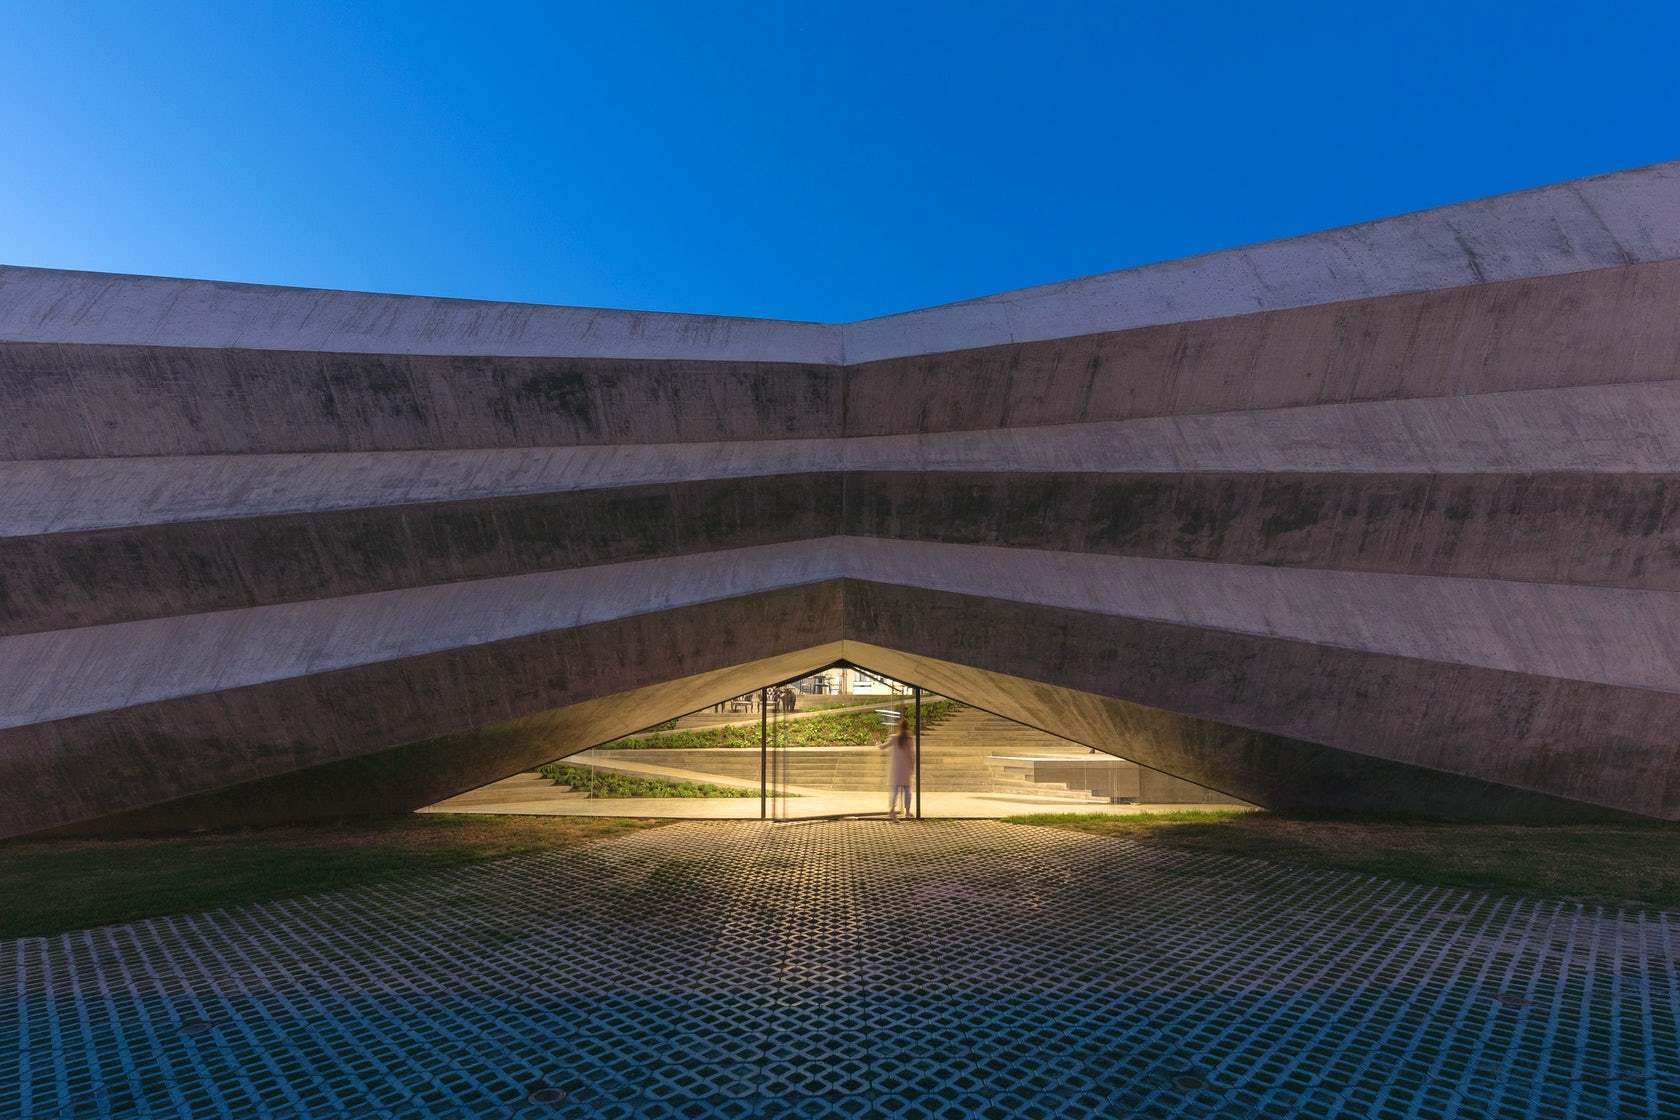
(855,969)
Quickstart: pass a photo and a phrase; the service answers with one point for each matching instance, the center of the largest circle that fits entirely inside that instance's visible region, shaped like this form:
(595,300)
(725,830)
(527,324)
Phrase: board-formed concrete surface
(1382,518)
(855,970)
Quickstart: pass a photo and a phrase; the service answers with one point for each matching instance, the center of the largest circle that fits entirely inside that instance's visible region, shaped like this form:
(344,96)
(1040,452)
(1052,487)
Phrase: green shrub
(842,729)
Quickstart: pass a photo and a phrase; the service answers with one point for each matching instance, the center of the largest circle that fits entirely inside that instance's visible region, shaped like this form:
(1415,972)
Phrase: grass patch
(808,703)
(854,728)
(1631,863)
(600,783)
(49,886)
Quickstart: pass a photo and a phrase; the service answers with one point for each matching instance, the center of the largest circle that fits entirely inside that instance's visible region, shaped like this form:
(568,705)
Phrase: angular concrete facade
(1383,518)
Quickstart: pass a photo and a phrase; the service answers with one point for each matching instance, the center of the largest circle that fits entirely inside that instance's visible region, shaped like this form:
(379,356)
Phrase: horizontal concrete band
(1624,218)
(1603,328)
(1613,429)
(52,305)
(93,766)
(1575,739)
(1609,327)
(1612,220)
(71,401)
(1372,769)
(1585,743)
(416,774)
(118,575)
(1613,636)
(1553,528)
(1267,768)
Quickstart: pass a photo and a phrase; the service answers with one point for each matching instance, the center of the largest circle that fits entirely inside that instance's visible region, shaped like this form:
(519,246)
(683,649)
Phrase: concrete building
(853,682)
(1386,517)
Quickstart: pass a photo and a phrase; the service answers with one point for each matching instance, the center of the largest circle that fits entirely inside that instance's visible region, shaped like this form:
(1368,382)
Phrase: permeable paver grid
(854,969)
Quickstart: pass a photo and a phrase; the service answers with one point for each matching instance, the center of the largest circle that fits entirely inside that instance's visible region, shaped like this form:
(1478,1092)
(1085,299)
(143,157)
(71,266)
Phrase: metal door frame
(766,763)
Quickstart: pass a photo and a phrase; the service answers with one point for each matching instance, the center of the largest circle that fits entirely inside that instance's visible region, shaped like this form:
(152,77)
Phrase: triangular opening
(817,746)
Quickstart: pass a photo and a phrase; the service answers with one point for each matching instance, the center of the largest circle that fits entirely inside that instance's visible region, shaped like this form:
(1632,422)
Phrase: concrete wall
(1384,517)
(1124,780)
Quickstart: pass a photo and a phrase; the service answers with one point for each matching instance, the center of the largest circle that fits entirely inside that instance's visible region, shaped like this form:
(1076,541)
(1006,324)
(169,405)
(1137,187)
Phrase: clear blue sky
(792,160)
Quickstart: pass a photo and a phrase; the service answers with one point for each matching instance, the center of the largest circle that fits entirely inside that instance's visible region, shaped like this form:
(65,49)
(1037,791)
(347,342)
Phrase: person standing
(901,763)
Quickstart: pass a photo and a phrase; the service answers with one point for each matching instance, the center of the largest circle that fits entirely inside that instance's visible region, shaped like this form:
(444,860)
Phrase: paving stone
(854,969)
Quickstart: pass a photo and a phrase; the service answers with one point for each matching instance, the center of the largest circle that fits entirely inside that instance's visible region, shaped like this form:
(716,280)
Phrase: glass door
(843,762)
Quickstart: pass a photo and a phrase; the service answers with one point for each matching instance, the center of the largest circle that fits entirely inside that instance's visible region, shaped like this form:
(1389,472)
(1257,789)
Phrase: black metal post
(918,690)
(763,754)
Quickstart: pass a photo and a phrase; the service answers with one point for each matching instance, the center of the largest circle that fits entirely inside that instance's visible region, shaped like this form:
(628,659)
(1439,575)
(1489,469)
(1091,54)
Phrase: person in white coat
(901,763)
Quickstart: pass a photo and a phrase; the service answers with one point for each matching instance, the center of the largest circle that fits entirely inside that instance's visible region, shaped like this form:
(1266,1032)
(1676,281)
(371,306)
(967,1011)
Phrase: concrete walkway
(952,806)
(854,970)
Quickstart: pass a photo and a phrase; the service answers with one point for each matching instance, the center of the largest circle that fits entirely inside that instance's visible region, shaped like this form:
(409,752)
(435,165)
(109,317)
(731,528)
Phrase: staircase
(975,751)
(1018,779)
(971,731)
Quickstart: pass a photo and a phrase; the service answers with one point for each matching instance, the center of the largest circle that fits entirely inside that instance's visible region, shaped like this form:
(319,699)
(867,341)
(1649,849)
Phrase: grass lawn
(858,700)
(48,886)
(1624,863)
(845,728)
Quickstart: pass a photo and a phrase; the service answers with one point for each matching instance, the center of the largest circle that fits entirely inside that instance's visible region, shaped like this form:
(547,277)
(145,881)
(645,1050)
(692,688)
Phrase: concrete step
(1049,790)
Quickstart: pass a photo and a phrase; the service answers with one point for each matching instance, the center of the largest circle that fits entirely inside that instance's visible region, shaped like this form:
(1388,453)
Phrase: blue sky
(800,160)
